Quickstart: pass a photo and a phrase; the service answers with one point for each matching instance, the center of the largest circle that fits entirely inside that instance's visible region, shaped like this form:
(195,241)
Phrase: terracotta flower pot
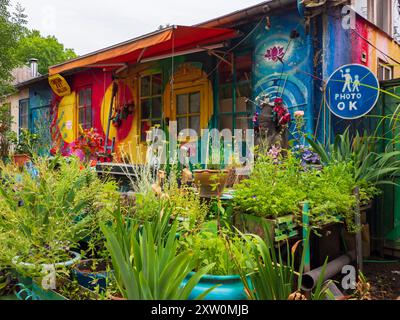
(21,159)
(211,182)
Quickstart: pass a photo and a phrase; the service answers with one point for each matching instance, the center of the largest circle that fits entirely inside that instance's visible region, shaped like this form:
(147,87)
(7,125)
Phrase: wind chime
(271,120)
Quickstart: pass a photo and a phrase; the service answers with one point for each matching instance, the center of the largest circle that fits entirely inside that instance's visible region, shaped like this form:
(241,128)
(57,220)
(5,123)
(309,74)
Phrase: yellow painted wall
(130,149)
(386,44)
(67,118)
(186,79)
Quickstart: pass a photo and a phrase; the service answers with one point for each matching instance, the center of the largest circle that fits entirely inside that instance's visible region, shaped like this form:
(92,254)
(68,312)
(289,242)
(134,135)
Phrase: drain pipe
(310,279)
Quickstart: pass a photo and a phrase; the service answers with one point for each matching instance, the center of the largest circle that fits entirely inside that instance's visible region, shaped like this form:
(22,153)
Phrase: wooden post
(357,220)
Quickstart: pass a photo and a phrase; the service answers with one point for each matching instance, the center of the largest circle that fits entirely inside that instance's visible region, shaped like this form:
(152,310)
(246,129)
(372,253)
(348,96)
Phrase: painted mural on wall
(283,64)
(69,133)
(40,97)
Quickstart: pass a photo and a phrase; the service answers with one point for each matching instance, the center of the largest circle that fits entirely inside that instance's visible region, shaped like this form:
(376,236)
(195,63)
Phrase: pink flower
(275,53)
(299,114)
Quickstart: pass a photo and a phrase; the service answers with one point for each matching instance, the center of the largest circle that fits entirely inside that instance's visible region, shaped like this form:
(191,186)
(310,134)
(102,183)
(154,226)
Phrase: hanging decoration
(59,85)
(124,107)
(270,121)
(281,115)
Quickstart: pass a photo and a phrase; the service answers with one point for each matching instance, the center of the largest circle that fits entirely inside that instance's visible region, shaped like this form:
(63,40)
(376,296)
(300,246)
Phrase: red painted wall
(99,82)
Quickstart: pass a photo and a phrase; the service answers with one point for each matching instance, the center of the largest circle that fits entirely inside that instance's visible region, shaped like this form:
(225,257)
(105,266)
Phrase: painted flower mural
(275,53)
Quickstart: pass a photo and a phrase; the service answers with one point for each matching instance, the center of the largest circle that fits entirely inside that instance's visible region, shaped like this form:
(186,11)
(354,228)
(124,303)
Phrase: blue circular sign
(352,91)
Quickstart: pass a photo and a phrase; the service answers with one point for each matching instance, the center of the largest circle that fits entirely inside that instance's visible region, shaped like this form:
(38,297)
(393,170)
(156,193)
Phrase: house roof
(30,81)
(171,40)
(21,74)
(161,41)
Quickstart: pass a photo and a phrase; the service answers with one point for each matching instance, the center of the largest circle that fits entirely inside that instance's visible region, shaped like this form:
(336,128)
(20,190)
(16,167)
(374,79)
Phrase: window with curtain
(150,103)
(234,89)
(85,107)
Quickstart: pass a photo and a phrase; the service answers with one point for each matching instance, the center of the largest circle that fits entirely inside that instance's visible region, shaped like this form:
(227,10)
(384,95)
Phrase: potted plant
(269,198)
(229,255)
(47,212)
(370,168)
(23,146)
(211,182)
(212,179)
(146,263)
(92,273)
(65,290)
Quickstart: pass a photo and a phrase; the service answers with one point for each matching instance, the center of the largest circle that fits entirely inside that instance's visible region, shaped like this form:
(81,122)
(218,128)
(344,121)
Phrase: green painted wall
(390,102)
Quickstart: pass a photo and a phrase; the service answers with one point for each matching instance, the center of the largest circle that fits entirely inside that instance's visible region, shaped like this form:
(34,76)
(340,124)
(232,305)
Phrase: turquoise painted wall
(284,64)
(40,96)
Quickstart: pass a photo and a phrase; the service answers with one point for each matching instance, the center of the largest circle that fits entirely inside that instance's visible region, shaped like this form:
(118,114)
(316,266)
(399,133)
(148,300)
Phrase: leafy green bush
(370,168)
(147,263)
(272,189)
(277,188)
(187,206)
(227,252)
(49,208)
(147,206)
(24,143)
(329,192)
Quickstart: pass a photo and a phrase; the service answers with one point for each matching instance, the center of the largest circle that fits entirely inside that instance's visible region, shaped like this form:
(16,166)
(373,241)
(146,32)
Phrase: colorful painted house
(208,75)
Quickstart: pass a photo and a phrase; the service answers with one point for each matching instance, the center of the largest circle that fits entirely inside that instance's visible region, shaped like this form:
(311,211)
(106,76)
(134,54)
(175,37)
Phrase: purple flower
(309,156)
(274,152)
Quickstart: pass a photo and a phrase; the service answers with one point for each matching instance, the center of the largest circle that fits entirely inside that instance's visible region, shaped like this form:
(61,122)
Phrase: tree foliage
(9,35)
(48,50)
(19,44)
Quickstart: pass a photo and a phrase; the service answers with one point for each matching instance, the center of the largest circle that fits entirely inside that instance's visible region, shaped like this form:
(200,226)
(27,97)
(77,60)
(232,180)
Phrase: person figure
(348,80)
(356,84)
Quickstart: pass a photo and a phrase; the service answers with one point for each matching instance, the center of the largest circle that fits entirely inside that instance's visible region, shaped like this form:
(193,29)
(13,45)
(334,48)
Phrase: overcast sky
(89,25)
